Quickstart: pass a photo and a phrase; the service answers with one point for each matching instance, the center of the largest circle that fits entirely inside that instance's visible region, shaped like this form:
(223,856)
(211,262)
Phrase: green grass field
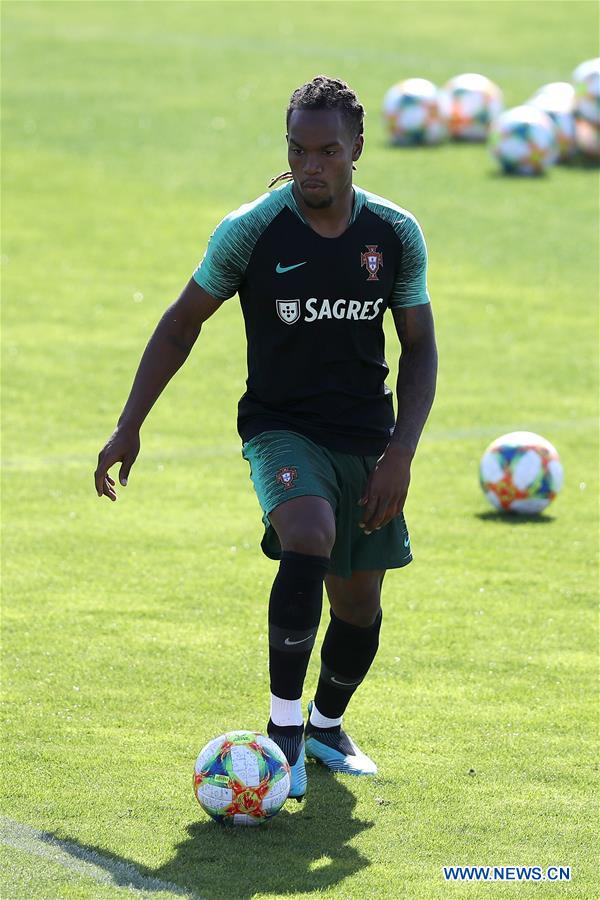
(133,633)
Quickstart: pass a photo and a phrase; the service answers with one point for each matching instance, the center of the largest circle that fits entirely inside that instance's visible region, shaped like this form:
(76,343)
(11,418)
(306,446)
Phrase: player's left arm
(388,483)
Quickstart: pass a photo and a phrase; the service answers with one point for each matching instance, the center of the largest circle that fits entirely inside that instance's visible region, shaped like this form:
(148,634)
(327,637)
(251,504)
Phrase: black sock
(294,614)
(288,738)
(346,657)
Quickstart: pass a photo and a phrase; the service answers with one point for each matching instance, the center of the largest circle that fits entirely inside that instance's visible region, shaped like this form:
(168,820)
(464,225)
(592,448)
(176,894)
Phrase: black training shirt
(313,309)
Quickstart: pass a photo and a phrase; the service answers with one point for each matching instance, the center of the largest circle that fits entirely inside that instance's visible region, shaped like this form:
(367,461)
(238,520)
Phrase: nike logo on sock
(344,683)
(281,269)
(291,643)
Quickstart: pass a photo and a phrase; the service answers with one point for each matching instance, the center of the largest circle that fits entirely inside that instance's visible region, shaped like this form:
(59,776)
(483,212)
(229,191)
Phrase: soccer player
(316,263)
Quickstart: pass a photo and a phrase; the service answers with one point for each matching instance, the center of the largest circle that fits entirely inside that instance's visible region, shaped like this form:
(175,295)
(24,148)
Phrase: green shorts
(285,465)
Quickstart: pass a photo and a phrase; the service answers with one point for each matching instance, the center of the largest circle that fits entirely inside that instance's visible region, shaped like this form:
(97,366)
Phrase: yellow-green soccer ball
(521,472)
(241,778)
(412,113)
(557,100)
(523,140)
(471,102)
(586,80)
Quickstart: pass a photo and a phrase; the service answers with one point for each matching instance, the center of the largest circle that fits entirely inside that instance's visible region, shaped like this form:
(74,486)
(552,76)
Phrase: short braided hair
(329,93)
(326,93)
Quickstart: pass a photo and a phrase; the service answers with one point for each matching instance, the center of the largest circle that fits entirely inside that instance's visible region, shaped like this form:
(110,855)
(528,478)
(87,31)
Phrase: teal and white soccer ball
(241,778)
(523,140)
(557,100)
(586,80)
(471,103)
(521,473)
(412,113)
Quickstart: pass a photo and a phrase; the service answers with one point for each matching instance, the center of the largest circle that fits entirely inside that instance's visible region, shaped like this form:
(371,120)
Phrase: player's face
(321,151)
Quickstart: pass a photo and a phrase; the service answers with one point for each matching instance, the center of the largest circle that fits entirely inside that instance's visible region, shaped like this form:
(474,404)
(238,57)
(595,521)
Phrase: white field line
(84,862)
(431,435)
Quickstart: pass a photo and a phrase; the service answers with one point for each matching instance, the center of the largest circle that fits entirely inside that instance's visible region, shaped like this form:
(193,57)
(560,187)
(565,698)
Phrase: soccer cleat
(298,777)
(293,748)
(336,750)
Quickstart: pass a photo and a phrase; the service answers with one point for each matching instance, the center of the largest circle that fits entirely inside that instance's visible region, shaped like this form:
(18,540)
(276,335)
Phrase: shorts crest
(286,476)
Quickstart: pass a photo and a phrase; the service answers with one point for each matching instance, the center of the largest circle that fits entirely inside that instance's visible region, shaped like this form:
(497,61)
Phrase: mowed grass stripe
(203,451)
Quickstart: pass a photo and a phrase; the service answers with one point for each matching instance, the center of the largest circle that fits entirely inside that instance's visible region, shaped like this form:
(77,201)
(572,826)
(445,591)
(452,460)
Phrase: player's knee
(305,525)
(316,540)
(362,614)
(358,602)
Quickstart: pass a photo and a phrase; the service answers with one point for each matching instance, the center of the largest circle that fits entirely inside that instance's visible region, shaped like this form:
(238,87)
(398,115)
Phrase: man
(316,263)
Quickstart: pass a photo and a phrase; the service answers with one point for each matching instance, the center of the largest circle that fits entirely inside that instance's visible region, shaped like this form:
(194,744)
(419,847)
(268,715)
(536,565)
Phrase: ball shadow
(514,518)
(533,178)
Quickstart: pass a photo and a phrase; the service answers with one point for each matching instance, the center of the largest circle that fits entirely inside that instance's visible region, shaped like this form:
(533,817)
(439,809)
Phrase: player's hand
(387,487)
(122,446)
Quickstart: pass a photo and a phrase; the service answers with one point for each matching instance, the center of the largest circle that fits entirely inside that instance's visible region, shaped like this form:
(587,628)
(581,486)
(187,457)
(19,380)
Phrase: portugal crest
(286,476)
(288,311)
(372,259)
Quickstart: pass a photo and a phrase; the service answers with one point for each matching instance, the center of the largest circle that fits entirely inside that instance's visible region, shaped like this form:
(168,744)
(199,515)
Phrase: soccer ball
(587,138)
(563,90)
(471,102)
(586,79)
(521,473)
(523,140)
(557,100)
(412,114)
(241,778)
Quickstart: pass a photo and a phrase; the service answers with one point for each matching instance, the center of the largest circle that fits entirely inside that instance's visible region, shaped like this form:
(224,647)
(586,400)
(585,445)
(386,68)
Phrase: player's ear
(358,147)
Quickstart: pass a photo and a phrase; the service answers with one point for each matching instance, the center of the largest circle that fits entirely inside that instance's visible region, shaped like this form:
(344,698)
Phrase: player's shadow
(302,851)
(514,519)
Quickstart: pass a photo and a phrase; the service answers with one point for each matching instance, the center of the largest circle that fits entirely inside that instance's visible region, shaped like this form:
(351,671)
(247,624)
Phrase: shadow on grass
(304,849)
(584,163)
(514,518)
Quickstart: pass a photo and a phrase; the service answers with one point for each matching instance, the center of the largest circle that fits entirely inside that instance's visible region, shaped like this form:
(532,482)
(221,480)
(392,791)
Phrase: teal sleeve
(219,271)
(223,267)
(410,287)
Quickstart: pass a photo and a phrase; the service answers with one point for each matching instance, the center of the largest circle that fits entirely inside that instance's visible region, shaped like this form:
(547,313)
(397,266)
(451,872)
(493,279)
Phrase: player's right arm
(167,350)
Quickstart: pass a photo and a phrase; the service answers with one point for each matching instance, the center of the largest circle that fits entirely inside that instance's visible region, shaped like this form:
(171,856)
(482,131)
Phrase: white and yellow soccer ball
(241,778)
(557,100)
(471,102)
(412,114)
(523,140)
(521,473)
(586,80)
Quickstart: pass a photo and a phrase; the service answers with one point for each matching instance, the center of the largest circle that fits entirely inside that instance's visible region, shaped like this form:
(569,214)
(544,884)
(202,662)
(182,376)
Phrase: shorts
(285,465)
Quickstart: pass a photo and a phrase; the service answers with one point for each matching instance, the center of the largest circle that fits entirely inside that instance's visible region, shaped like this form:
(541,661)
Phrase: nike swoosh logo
(407,542)
(291,643)
(344,683)
(281,269)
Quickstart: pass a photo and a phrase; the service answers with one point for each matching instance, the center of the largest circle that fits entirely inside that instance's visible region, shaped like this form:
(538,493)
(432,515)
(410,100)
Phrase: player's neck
(333,220)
